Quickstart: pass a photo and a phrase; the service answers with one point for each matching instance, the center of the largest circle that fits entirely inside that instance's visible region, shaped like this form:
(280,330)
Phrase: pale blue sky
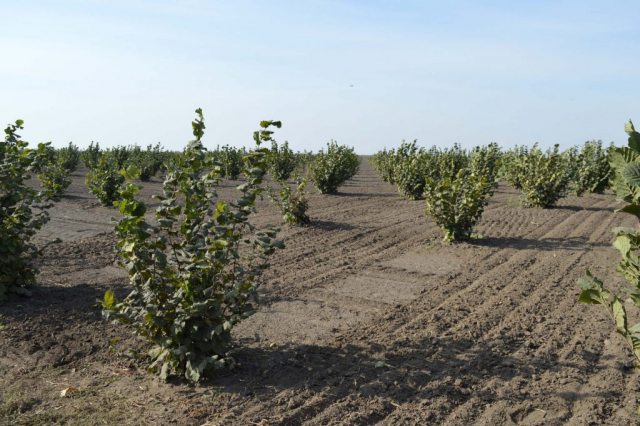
(514,72)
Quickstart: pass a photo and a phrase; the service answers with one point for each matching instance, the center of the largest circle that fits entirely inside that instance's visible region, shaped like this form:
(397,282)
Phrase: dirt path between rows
(366,318)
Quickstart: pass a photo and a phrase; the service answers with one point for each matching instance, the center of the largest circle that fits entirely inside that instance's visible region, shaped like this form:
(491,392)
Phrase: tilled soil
(366,318)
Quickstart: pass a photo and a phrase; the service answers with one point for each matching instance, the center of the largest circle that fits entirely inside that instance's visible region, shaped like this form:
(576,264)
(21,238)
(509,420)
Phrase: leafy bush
(513,165)
(570,158)
(22,212)
(542,176)
(292,206)
(331,169)
(146,170)
(383,162)
(54,178)
(486,160)
(47,156)
(91,156)
(456,203)
(149,162)
(410,170)
(625,163)
(172,161)
(118,155)
(446,163)
(408,166)
(104,181)
(195,274)
(592,170)
(281,161)
(352,164)
(304,159)
(69,157)
(230,161)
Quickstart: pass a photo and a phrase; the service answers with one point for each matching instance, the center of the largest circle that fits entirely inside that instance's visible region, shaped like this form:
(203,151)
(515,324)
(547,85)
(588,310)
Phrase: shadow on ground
(455,369)
(546,244)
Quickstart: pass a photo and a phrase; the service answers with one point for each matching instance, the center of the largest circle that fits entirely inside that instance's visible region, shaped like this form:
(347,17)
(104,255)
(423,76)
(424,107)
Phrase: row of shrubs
(456,182)
(328,169)
(546,176)
(543,176)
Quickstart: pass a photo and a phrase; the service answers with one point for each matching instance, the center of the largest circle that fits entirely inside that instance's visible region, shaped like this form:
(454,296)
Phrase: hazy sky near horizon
(365,73)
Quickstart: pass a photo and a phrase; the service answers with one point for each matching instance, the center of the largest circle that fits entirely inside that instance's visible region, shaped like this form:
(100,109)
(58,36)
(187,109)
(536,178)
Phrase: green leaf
(635,299)
(585,283)
(109,300)
(634,137)
(631,174)
(221,243)
(192,373)
(164,372)
(623,244)
(591,296)
(628,127)
(619,314)
(132,172)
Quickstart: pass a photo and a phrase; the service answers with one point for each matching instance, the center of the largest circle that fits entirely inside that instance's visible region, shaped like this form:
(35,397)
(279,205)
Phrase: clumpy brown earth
(366,318)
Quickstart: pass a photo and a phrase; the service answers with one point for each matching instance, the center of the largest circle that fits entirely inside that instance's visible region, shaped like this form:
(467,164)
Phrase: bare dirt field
(366,318)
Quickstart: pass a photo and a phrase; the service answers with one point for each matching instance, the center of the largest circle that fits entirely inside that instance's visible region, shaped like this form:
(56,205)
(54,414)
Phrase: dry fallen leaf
(68,391)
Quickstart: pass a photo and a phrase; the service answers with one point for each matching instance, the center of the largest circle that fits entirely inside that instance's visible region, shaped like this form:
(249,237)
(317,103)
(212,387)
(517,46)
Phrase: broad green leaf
(628,127)
(164,372)
(109,300)
(635,299)
(631,174)
(634,137)
(591,296)
(619,314)
(623,244)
